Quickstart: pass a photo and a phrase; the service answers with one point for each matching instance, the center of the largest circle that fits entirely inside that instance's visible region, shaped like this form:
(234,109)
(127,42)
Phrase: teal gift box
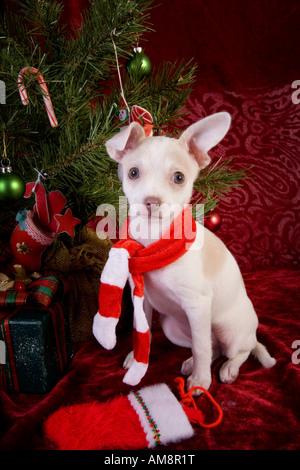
(35,340)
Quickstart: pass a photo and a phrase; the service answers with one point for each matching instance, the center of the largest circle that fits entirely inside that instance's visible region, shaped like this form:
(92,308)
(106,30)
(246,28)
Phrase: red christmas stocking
(37,229)
(29,240)
(147,418)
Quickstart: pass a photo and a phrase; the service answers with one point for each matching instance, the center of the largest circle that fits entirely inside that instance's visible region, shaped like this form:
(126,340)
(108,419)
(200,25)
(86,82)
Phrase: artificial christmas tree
(85,72)
(79,68)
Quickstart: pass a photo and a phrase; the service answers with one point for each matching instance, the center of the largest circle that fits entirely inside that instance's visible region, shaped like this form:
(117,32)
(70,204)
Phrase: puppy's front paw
(229,372)
(204,382)
(187,366)
(128,360)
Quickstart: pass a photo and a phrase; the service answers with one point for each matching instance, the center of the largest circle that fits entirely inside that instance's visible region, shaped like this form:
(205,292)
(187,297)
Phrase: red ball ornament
(213,223)
(20,286)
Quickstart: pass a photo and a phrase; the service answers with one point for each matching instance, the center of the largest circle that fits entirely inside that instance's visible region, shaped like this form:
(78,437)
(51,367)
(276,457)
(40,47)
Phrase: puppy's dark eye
(178,177)
(134,173)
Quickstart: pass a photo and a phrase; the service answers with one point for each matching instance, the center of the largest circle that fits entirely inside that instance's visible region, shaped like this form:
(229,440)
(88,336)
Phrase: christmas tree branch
(216,181)
(79,68)
(165,93)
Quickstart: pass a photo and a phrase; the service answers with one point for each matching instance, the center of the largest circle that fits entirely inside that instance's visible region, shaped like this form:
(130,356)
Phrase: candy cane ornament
(45,92)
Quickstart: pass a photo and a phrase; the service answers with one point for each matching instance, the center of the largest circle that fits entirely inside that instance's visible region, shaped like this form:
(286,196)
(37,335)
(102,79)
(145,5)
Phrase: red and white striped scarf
(128,259)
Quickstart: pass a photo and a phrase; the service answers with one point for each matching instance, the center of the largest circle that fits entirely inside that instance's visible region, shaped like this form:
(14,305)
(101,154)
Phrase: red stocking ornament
(29,240)
(38,228)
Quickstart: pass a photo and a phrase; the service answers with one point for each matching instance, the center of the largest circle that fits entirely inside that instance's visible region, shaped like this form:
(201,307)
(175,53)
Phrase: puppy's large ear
(200,137)
(128,138)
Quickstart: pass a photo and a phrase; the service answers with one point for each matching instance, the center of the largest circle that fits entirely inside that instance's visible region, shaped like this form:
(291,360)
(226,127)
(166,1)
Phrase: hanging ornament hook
(45,92)
(5,162)
(137,113)
(4,146)
(40,175)
(113,33)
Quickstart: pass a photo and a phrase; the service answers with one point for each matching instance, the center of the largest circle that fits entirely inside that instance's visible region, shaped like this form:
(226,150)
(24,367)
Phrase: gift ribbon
(8,375)
(8,371)
(40,293)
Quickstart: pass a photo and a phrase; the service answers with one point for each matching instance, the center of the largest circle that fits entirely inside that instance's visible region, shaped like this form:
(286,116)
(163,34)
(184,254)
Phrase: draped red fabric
(247,54)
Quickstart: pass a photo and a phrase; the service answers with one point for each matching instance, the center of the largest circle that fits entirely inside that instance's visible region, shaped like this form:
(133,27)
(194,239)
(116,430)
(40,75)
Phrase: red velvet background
(247,54)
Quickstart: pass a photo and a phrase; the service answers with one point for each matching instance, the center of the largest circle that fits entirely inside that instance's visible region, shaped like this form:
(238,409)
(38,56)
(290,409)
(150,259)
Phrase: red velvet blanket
(261,409)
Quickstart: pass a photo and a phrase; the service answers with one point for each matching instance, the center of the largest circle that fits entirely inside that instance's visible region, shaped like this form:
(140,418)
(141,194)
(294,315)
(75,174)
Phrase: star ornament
(66,222)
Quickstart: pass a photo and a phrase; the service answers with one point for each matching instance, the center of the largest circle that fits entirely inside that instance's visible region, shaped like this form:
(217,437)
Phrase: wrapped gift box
(36,337)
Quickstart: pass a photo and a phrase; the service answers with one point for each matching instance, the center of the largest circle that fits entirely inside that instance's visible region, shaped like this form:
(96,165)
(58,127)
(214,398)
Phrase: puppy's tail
(261,353)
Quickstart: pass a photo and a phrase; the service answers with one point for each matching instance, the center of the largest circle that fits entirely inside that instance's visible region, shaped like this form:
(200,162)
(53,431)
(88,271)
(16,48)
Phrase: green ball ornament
(12,186)
(139,64)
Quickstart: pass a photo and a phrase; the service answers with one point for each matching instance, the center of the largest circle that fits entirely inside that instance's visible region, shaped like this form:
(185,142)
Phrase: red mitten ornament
(147,418)
(38,228)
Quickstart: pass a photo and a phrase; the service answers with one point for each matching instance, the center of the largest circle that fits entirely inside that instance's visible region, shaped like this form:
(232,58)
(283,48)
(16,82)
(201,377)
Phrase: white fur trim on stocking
(166,411)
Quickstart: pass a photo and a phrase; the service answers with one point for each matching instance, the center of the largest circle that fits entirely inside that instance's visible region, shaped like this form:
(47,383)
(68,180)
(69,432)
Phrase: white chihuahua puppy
(201,297)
